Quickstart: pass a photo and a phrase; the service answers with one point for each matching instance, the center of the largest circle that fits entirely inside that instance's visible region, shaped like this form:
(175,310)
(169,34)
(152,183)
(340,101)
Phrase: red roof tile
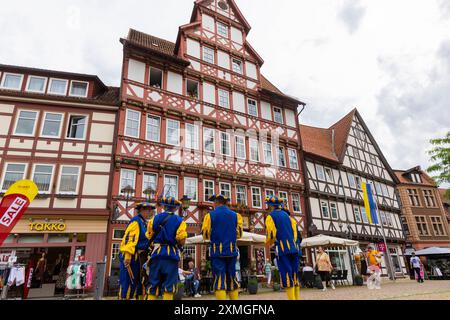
(145,40)
(426,179)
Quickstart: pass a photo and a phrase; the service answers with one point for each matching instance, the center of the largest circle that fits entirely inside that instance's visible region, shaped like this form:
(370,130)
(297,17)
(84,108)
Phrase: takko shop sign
(47,226)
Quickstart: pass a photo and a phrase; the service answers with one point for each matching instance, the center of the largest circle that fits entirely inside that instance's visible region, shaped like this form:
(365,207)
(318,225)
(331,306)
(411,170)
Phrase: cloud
(445,8)
(351,14)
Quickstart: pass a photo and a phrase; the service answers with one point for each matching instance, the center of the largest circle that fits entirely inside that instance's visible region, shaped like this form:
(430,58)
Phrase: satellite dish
(223,5)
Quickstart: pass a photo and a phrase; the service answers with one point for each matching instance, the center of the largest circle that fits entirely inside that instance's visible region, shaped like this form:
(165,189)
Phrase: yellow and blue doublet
(165,255)
(132,243)
(223,227)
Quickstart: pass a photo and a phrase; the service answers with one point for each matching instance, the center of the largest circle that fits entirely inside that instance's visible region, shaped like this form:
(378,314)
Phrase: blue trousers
(163,276)
(224,273)
(288,268)
(130,289)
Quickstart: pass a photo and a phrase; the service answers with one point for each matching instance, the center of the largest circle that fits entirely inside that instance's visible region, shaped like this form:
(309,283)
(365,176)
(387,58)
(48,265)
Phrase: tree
(440,156)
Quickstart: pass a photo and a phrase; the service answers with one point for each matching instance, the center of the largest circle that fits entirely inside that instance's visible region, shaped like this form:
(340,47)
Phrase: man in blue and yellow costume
(223,227)
(282,231)
(169,232)
(133,253)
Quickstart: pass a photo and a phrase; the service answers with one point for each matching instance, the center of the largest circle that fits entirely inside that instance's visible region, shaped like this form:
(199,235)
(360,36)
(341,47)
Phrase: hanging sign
(14,203)
(381,247)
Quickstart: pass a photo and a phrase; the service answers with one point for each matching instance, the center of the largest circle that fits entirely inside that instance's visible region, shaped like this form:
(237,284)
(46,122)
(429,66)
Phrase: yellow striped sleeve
(206,227)
(271,231)
(294,229)
(181,232)
(130,240)
(149,232)
(240,229)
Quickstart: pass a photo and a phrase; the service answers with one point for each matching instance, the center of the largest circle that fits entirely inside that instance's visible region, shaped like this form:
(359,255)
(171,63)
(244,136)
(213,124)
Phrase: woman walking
(324,268)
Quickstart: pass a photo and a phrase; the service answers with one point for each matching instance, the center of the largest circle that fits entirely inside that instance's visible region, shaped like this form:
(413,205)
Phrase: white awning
(433,251)
(247,239)
(323,240)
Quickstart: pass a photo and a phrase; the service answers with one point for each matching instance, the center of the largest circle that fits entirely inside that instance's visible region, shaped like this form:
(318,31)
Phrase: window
(385,190)
(438,227)
(256,197)
(26,122)
(358,183)
(52,125)
(115,251)
(191,188)
(191,136)
(192,88)
(171,186)
(241,195)
(225,143)
(364,215)
(351,180)
(224,98)
(429,198)
(240,147)
(389,219)
(36,84)
(12,81)
(222,29)
(225,189)
(79,89)
(293,162)
(252,107)
(268,153)
(383,218)
(320,173)
(133,123)
(422,226)
(278,115)
(329,174)
(254,150)
(68,181)
(296,204)
(58,87)
(118,234)
(413,197)
(325,210)
(149,182)
(237,66)
(42,177)
(416,178)
(208,55)
(356,153)
(334,211)
(77,127)
(373,159)
(281,157)
(127,179)
(270,193)
(208,189)
(156,78)
(283,195)
(173,132)
(14,172)
(153,128)
(378,189)
(209,141)
(357,214)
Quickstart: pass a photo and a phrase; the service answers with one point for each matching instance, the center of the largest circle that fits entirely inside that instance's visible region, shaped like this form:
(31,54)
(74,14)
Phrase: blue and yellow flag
(369,203)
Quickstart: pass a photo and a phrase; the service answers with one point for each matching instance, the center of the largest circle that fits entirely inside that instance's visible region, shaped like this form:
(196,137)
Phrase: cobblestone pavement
(402,289)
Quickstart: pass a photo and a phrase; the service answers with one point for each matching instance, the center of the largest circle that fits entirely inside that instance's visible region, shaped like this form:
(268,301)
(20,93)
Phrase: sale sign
(14,203)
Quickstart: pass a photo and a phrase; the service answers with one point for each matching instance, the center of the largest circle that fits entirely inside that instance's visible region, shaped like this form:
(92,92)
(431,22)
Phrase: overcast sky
(388,58)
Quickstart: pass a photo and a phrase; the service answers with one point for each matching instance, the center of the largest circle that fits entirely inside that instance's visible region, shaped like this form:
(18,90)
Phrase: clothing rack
(77,295)
(5,289)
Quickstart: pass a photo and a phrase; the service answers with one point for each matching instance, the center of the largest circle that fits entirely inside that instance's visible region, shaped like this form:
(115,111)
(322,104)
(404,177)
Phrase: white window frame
(213,54)
(85,126)
(334,204)
(226,28)
(260,198)
(358,217)
(43,125)
(252,143)
(149,76)
(198,89)
(245,193)
(143,181)
(283,153)
(139,124)
(37,77)
(351,181)
(52,176)
(222,141)
(77,95)
(272,193)
(12,74)
(264,153)
(239,63)
(165,183)
(329,178)
(256,107)
(196,187)
(322,202)
(57,93)
(122,170)
(294,195)
(167,132)
(321,169)
(5,171)
(281,115)
(242,138)
(34,125)
(213,137)
(293,153)
(364,217)
(149,115)
(225,184)
(60,176)
(196,137)
(204,189)
(220,95)
(286,198)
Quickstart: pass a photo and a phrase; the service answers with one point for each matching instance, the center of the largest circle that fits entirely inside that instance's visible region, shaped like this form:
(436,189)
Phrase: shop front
(45,247)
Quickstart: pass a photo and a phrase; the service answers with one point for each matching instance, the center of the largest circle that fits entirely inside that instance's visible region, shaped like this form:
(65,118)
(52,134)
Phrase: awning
(248,238)
(323,240)
(433,251)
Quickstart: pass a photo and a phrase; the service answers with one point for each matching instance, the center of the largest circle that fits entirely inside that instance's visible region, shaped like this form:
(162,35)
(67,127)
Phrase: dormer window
(237,66)
(79,89)
(222,29)
(156,78)
(416,178)
(58,87)
(12,81)
(36,84)
(192,88)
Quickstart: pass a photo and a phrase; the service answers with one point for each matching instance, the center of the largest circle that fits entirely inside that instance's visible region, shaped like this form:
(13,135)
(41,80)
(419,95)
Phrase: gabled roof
(236,10)
(403,177)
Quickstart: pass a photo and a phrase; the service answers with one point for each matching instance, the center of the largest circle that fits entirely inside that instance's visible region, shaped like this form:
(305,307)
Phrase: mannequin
(40,268)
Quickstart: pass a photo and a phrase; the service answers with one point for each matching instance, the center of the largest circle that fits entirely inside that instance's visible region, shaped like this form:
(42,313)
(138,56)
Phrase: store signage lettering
(12,211)
(37,226)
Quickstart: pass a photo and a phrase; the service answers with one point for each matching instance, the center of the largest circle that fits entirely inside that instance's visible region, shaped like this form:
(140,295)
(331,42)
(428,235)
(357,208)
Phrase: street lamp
(185,204)
(149,194)
(128,192)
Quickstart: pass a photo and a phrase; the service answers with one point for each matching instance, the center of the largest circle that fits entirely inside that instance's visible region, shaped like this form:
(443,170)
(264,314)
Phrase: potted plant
(252,285)
(276,280)
(359,281)
(180,292)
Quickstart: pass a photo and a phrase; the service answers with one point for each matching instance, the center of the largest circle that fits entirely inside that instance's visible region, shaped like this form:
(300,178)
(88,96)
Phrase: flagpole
(380,221)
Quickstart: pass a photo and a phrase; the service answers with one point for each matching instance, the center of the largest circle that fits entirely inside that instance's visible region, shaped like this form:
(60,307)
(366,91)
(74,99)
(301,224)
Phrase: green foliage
(440,156)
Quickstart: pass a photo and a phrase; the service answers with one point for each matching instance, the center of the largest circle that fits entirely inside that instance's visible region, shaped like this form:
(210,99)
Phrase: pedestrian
(416,265)
(223,227)
(374,261)
(268,271)
(364,265)
(324,268)
(192,282)
(238,268)
(167,231)
(282,232)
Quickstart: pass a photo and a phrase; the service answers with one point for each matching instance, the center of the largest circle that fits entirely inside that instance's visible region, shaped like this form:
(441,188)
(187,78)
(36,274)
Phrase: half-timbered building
(57,129)
(337,160)
(197,117)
